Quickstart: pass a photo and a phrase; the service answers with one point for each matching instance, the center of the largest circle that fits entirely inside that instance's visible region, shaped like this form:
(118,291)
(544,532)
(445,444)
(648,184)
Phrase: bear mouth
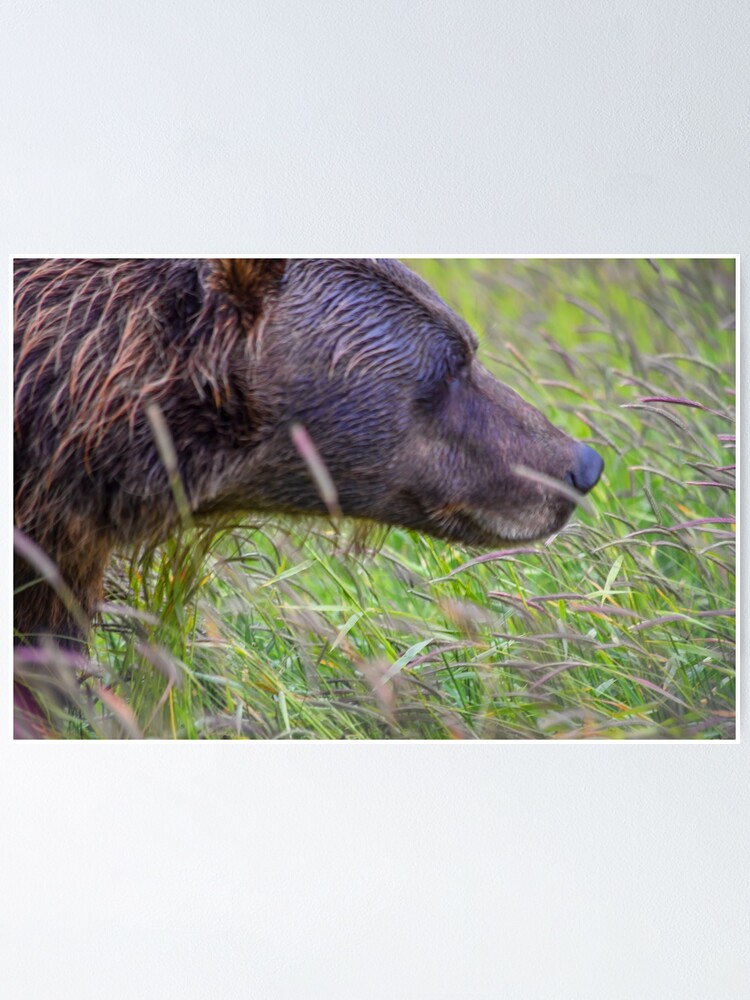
(473,524)
(497,528)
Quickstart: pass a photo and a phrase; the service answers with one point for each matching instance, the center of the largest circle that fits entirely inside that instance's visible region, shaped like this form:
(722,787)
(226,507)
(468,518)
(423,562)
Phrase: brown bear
(246,365)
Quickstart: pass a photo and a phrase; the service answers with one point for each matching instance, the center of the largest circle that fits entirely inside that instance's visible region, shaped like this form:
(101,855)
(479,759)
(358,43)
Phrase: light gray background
(348,871)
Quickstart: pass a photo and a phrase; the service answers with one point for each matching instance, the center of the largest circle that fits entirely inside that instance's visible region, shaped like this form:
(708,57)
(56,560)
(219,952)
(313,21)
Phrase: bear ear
(247,281)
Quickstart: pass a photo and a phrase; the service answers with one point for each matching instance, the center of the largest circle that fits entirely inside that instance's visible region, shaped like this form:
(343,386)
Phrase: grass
(619,627)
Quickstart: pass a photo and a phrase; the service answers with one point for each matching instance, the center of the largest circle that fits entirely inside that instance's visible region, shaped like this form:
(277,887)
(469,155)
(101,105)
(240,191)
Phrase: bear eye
(448,371)
(458,368)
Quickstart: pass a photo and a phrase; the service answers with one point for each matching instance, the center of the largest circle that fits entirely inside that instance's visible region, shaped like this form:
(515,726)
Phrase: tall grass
(621,626)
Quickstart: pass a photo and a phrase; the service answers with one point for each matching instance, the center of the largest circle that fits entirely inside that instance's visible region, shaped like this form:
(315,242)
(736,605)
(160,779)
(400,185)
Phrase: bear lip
(503,530)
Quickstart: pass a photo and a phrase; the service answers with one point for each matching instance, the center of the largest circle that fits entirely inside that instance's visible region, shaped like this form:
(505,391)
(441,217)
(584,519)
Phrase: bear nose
(586,470)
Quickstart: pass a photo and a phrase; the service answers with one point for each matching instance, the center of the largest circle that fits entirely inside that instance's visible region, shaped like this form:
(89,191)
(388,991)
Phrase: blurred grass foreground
(622,626)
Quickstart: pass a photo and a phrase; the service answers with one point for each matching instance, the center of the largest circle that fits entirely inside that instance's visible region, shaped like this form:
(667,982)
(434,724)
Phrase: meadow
(622,626)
